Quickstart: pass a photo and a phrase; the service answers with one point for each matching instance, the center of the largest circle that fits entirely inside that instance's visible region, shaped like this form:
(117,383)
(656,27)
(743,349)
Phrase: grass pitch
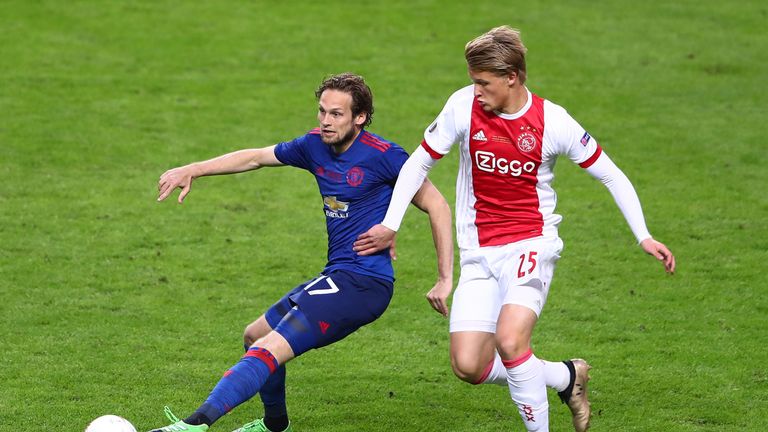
(113,303)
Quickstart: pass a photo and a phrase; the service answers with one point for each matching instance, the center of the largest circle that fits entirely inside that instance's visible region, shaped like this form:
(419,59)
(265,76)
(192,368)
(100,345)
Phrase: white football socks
(527,386)
(496,372)
(556,374)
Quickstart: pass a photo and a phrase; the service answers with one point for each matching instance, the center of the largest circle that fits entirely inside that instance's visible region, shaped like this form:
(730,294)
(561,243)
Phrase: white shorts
(517,273)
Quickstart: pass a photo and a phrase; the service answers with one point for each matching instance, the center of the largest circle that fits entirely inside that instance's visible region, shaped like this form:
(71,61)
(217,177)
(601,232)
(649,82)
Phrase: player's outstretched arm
(431,201)
(626,199)
(230,163)
(659,251)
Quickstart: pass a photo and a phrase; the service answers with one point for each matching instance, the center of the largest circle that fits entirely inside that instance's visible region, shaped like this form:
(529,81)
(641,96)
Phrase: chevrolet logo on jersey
(335,208)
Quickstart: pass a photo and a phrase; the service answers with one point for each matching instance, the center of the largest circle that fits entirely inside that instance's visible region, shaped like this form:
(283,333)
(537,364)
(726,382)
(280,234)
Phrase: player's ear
(511,78)
(360,119)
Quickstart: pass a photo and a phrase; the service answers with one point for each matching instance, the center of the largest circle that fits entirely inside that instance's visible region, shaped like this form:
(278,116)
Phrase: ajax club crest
(526,141)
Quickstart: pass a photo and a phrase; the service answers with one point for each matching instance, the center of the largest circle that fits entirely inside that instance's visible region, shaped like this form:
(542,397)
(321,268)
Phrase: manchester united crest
(355,176)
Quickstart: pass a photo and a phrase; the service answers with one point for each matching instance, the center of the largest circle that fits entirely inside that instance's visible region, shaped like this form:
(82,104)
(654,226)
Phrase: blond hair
(500,51)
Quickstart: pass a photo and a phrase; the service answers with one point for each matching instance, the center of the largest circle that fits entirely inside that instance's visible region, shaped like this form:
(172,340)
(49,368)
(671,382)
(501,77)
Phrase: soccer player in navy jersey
(355,171)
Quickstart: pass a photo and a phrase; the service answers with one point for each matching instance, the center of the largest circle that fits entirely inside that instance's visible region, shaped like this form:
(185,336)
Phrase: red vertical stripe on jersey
(506,155)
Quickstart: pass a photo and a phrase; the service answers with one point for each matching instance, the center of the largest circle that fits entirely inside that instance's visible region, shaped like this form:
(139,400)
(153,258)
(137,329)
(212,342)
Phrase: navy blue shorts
(334,305)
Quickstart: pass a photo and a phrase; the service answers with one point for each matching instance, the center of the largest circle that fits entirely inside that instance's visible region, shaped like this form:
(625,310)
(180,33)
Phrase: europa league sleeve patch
(585,139)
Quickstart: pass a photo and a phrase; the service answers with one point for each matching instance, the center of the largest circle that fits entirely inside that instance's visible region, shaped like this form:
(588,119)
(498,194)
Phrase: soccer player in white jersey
(509,139)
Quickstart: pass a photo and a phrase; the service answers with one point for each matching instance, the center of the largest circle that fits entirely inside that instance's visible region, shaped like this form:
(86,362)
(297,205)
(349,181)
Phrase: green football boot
(258,426)
(179,425)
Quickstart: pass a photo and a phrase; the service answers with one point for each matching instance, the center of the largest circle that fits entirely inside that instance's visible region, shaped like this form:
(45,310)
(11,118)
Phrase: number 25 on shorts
(527,264)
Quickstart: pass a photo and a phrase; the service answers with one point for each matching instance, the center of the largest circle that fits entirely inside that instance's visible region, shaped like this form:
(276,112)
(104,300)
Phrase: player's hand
(180,177)
(438,296)
(660,252)
(375,239)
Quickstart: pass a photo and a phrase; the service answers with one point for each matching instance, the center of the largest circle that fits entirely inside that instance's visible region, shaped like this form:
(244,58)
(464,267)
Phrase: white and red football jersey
(504,188)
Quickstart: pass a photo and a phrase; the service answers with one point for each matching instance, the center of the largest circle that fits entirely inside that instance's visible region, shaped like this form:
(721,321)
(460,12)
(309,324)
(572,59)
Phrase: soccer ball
(110,423)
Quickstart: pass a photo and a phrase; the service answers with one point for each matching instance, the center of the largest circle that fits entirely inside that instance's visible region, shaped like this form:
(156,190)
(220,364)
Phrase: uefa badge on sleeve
(585,139)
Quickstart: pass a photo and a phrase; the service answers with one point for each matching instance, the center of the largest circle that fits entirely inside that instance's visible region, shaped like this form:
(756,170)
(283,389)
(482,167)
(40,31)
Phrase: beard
(342,140)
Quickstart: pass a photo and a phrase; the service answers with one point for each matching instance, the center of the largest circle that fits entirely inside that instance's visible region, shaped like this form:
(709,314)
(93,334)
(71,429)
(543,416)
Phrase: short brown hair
(500,51)
(355,86)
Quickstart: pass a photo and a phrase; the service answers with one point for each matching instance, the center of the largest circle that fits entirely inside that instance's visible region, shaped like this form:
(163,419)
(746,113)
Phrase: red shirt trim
(588,163)
(435,155)
(372,141)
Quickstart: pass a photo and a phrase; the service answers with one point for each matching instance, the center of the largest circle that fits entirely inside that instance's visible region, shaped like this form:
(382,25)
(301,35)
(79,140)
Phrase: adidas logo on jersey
(479,136)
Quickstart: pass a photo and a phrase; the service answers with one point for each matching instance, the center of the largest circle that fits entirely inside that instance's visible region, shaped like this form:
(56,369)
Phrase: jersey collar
(522,111)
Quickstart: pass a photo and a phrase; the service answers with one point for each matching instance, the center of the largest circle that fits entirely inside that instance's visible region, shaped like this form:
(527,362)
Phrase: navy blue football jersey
(356,187)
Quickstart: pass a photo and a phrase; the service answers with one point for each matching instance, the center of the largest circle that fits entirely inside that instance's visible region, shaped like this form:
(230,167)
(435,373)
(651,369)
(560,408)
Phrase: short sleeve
(393,158)
(445,131)
(569,137)
(294,152)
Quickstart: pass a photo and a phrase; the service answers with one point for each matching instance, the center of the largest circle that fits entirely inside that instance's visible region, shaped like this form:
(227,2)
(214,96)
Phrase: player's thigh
(332,307)
(474,314)
(513,333)
(476,304)
(280,308)
(269,320)
(526,270)
(471,353)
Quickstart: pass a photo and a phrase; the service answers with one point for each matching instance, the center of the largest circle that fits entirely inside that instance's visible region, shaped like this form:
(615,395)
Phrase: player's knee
(467,368)
(277,345)
(249,336)
(254,331)
(248,341)
(466,374)
(511,346)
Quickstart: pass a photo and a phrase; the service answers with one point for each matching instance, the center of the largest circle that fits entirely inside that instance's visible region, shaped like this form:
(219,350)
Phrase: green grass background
(113,303)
